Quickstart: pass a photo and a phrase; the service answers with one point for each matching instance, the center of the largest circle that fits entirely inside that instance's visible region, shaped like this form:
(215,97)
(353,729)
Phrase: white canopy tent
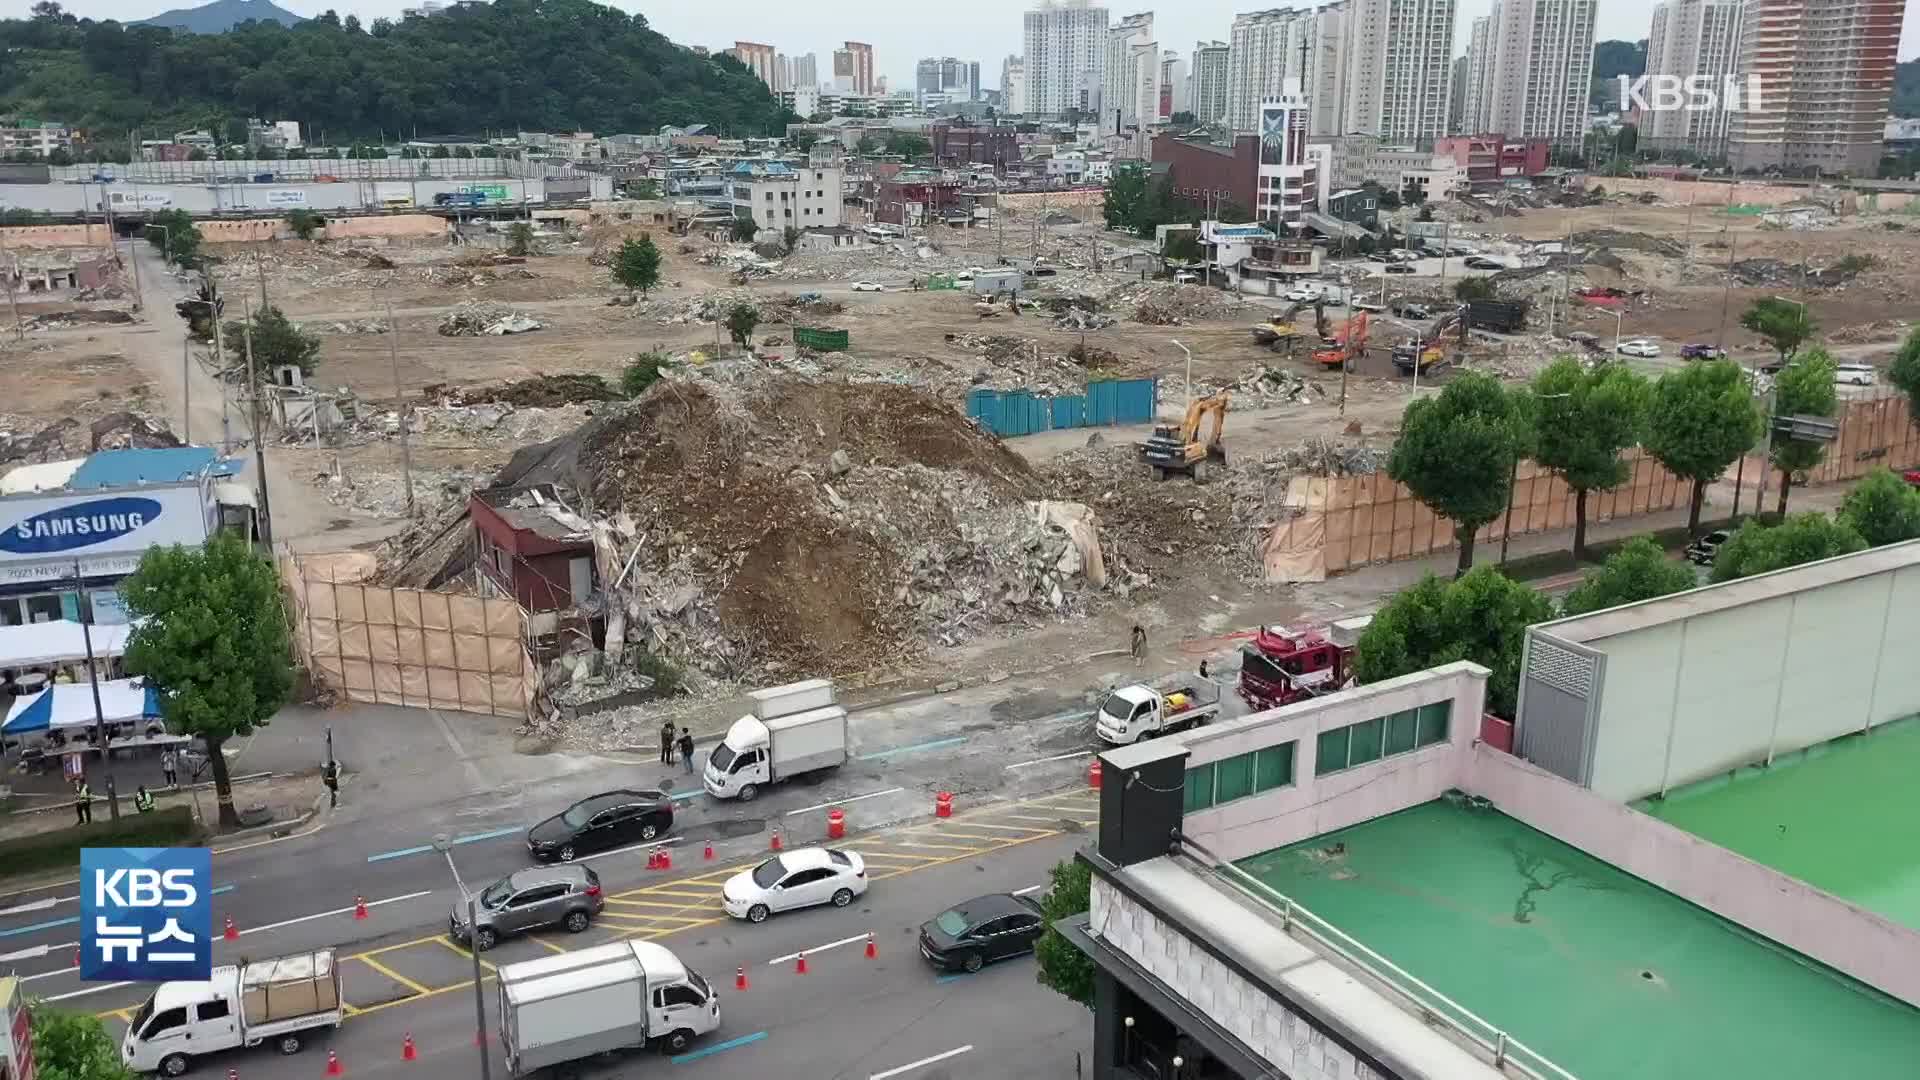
(70,705)
(59,641)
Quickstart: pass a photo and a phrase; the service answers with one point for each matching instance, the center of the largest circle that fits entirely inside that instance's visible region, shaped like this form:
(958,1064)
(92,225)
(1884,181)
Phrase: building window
(1382,737)
(1238,777)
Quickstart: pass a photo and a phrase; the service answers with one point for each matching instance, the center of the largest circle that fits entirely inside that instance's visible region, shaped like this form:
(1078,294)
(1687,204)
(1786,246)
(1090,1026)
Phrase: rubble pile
(67,438)
(538,391)
(1150,528)
(1266,386)
(1878,330)
(1076,318)
(1158,303)
(1322,457)
(383,493)
(1011,363)
(362,326)
(1778,272)
(1629,241)
(472,319)
(67,320)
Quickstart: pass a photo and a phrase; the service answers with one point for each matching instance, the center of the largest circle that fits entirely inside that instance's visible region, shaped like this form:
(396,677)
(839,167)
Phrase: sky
(902,33)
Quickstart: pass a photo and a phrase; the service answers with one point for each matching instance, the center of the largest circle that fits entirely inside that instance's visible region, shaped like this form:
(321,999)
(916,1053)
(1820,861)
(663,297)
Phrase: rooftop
(1602,973)
(537,509)
(1806,815)
(158,465)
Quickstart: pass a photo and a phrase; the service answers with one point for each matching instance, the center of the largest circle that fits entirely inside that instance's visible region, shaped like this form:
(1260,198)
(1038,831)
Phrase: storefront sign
(79,525)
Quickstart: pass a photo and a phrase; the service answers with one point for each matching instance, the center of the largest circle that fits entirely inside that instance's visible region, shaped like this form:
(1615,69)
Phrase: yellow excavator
(1171,450)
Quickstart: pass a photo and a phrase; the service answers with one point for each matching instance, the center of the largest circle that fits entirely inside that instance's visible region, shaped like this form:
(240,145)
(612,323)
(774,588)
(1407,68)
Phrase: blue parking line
(72,919)
(421,849)
(944,979)
(402,853)
(508,831)
(934,745)
(709,1051)
(678,795)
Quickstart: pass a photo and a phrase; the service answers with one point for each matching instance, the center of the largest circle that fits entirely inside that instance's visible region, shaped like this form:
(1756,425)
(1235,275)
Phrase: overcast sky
(902,33)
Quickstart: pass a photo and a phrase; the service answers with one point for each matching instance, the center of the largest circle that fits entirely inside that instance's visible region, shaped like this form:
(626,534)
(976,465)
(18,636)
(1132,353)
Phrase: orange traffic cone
(359,907)
(76,958)
(231,933)
(774,844)
(709,854)
(873,950)
(666,859)
(333,1065)
(406,1048)
(233,1074)
(740,978)
(800,964)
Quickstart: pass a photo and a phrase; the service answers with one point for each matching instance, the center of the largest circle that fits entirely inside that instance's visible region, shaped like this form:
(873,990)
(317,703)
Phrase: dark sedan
(980,931)
(601,822)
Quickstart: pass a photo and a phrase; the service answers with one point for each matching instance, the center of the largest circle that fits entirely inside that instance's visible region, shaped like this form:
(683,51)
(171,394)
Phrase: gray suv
(525,900)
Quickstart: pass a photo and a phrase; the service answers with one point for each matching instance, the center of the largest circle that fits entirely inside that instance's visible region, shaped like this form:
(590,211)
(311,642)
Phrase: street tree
(802,140)
(1883,508)
(1482,617)
(210,637)
(789,239)
(743,229)
(1584,420)
(302,223)
(520,239)
(1457,450)
(1701,420)
(1182,246)
(742,318)
(637,264)
(1063,968)
(277,342)
(73,1046)
(1474,288)
(1904,374)
(1803,388)
(1784,324)
(1125,197)
(1638,571)
(174,235)
(1803,538)
(908,145)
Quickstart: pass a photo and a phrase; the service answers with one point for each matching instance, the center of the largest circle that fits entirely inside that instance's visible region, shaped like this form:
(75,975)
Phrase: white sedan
(868,286)
(803,877)
(1638,347)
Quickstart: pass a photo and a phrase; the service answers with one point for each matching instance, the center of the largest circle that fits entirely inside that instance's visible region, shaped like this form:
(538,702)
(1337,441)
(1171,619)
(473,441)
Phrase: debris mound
(472,319)
(1163,304)
(536,392)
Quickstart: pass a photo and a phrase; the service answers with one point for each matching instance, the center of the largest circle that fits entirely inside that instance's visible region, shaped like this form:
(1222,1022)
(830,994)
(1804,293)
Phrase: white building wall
(1477,99)
(1397,57)
(1210,66)
(1692,37)
(1066,55)
(1264,51)
(1542,54)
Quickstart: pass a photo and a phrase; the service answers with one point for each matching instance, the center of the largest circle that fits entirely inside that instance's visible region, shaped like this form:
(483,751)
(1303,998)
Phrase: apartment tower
(1825,70)
(1209,97)
(1066,57)
(1541,58)
(759,59)
(1130,91)
(1397,58)
(1691,38)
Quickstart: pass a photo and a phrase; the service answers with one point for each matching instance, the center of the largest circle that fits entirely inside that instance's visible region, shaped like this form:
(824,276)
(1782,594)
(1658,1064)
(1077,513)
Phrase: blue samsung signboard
(146,914)
(79,525)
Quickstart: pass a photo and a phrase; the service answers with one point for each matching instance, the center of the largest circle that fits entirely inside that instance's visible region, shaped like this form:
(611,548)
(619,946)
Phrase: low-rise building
(779,196)
(1361,206)
(1249,257)
(913,198)
(974,144)
(531,546)
(37,137)
(1494,158)
(1203,171)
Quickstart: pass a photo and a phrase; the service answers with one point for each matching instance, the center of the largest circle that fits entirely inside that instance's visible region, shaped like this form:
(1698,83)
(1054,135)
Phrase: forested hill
(536,65)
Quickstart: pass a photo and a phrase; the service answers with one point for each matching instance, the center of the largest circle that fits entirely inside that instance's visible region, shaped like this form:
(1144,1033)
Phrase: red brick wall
(1198,171)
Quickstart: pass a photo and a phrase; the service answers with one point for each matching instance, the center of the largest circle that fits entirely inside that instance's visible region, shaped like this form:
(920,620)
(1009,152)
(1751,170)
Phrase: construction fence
(1008,413)
(409,647)
(1875,431)
(1343,522)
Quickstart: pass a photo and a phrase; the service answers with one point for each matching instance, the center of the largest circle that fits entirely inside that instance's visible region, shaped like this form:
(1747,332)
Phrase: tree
(908,145)
(1425,214)
(1803,388)
(1474,288)
(1638,571)
(1882,508)
(1904,374)
(1482,617)
(73,1046)
(866,146)
(742,318)
(1182,246)
(201,310)
(1802,538)
(1702,418)
(643,372)
(1183,118)
(802,140)
(1784,324)
(302,223)
(173,233)
(1585,419)
(744,228)
(1126,195)
(277,342)
(1063,968)
(520,238)
(789,239)
(210,637)
(1457,450)
(637,265)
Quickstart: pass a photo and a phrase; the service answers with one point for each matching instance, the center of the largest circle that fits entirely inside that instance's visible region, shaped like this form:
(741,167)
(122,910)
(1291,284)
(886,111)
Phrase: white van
(1855,374)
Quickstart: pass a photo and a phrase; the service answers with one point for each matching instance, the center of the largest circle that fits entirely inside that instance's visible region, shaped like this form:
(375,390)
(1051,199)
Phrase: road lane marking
(842,802)
(37,905)
(958,835)
(938,847)
(391,974)
(1028,889)
(474,837)
(89,990)
(818,949)
(690,894)
(709,1051)
(678,795)
(48,925)
(898,856)
(547,945)
(1007,828)
(1044,760)
(399,854)
(633,903)
(882,755)
(336,911)
(925,1061)
(470,838)
(1055,821)
(663,841)
(464,954)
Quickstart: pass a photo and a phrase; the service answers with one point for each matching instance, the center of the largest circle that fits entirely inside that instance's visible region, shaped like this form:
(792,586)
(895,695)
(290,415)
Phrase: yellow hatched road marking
(464,954)
(390,973)
(987,838)
(940,847)
(545,944)
(648,904)
(1008,828)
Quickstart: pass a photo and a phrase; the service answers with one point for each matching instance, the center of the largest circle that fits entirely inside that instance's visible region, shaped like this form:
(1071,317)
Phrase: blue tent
(70,705)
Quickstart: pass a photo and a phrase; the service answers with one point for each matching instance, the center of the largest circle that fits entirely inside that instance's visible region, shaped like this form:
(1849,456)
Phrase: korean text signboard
(146,914)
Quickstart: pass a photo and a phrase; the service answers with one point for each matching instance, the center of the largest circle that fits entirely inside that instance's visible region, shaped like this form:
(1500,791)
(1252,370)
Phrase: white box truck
(272,1001)
(794,729)
(612,997)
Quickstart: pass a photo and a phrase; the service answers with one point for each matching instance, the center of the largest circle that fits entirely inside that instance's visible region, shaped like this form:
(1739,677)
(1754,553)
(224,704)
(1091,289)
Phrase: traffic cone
(709,854)
(653,858)
(406,1048)
(800,964)
(740,978)
(231,933)
(666,859)
(775,844)
(873,950)
(76,958)
(359,907)
(233,1074)
(333,1065)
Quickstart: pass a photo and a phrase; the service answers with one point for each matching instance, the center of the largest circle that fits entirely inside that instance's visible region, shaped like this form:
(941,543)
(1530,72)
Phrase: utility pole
(406,410)
(93,683)
(186,391)
(220,362)
(1726,294)
(259,437)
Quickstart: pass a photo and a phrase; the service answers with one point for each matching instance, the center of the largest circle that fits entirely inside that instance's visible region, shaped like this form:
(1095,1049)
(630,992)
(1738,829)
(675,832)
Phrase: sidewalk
(285,797)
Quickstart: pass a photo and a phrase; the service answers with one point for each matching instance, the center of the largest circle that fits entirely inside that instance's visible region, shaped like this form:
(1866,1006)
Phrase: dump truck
(793,730)
(626,996)
(1132,713)
(1171,450)
(1500,316)
(274,1001)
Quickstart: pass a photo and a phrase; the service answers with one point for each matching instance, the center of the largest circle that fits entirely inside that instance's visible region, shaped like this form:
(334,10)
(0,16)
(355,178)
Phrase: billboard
(146,914)
(286,197)
(42,536)
(138,200)
(496,192)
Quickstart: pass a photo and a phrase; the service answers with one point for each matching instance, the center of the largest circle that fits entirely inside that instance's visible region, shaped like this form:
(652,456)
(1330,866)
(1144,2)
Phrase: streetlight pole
(93,683)
(444,844)
(1189,353)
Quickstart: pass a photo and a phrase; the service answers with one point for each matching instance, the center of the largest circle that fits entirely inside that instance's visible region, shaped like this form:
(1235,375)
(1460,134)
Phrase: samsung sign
(82,525)
(42,535)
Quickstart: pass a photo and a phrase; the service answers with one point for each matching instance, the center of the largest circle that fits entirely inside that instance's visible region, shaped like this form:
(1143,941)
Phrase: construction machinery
(1281,666)
(1347,344)
(1171,450)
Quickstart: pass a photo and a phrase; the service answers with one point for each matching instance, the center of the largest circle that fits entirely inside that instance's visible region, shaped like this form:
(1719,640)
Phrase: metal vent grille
(1563,669)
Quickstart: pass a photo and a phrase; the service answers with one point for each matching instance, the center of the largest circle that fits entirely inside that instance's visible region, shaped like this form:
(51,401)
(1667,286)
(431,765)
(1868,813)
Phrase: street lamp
(1189,353)
(1618,317)
(444,845)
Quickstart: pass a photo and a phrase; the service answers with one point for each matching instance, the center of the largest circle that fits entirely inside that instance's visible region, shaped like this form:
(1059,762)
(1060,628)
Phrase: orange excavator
(1346,344)
(1171,450)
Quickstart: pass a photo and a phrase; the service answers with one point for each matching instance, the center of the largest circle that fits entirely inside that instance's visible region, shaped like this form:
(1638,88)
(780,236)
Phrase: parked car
(1855,374)
(803,877)
(527,900)
(1378,257)
(1697,351)
(1300,294)
(1481,262)
(867,286)
(1638,347)
(1398,268)
(1702,551)
(1185,277)
(979,931)
(1413,311)
(600,822)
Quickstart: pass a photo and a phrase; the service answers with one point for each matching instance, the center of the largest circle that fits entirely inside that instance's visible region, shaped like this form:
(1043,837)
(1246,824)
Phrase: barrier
(1008,413)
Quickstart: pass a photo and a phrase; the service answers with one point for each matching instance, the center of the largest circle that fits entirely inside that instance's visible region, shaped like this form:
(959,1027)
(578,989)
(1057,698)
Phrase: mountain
(1906,90)
(1612,59)
(511,65)
(222,15)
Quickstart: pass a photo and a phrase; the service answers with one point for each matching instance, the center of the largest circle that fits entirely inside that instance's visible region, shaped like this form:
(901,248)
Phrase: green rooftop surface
(1593,968)
(1843,816)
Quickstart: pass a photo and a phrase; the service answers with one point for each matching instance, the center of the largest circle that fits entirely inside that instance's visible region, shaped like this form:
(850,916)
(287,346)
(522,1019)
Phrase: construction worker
(1137,645)
(330,776)
(686,748)
(82,801)
(143,800)
(666,743)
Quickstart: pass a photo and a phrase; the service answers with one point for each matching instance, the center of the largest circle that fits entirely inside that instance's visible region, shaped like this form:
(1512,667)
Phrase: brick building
(967,144)
(1201,170)
(1493,158)
(914,197)
(529,545)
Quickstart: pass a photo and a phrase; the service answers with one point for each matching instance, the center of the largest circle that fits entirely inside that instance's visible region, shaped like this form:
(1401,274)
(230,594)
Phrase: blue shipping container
(1010,413)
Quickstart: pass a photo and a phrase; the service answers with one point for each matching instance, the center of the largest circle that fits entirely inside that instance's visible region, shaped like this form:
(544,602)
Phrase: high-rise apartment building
(1397,55)
(853,63)
(1541,52)
(958,80)
(1066,56)
(1691,38)
(1476,96)
(1013,85)
(1209,103)
(1175,90)
(1457,96)
(1266,48)
(1825,72)
(759,59)
(806,72)
(1130,91)
(782,73)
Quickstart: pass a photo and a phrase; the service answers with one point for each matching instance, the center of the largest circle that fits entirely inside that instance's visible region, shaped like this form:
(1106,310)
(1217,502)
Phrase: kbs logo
(146,914)
(1694,93)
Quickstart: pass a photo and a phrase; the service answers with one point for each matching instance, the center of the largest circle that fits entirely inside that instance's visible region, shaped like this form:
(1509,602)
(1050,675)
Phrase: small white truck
(793,729)
(267,1001)
(1136,712)
(622,996)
